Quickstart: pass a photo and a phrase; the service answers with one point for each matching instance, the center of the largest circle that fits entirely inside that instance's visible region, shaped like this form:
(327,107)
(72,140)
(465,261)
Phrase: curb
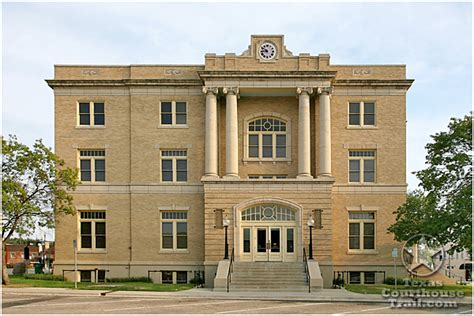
(146,295)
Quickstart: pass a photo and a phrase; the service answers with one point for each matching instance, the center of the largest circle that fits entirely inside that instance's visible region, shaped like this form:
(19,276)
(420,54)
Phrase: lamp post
(226,223)
(311,225)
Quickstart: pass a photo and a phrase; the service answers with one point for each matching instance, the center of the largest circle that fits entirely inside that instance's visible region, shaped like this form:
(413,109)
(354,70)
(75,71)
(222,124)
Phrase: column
(231,133)
(304,143)
(324,131)
(211,132)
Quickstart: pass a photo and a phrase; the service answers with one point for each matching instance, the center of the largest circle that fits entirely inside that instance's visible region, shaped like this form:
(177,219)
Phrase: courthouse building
(267,145)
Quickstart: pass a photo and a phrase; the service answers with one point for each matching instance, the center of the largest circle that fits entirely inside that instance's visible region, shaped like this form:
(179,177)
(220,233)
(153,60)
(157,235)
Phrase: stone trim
(139,188)
(173,207)
(370,188)
(91,207)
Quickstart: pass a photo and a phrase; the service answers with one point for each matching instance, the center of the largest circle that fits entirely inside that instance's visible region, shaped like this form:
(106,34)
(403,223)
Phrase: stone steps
(269,276)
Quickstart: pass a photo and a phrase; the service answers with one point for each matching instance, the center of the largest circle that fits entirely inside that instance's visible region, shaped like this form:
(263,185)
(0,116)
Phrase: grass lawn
(20,281)
(377,288)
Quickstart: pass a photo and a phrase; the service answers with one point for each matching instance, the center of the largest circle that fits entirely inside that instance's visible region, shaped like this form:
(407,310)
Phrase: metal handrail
(306,270)
(231,269)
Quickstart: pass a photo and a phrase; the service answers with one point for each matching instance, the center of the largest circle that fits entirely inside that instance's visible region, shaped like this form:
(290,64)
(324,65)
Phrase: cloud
(432,39)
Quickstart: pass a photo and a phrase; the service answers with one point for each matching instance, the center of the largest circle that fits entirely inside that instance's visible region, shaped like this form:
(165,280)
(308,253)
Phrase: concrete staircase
(269,276)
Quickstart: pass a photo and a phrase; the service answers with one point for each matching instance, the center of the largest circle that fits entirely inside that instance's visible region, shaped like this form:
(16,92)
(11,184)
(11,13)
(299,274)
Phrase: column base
(231,177)
(210,177)
(325,175)
(304,176)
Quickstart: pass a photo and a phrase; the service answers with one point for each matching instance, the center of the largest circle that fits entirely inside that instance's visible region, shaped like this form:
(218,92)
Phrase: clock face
(267,51)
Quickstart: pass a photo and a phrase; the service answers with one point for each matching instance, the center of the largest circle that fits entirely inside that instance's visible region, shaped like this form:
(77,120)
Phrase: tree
(35,188)
(443,206)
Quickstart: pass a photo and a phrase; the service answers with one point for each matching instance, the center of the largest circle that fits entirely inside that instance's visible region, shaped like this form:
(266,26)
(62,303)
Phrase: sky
(432,39)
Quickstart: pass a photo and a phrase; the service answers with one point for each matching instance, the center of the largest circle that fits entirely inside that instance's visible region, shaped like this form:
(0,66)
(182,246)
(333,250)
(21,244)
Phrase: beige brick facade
(134,195)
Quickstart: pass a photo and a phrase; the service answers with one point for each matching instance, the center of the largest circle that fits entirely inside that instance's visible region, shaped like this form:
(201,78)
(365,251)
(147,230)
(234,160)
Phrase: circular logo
(423,255)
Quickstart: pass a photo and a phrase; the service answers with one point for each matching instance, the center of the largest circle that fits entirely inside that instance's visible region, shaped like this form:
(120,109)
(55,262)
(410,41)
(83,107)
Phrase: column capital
(210,90)
(231,90)
(324,90)
(304,90)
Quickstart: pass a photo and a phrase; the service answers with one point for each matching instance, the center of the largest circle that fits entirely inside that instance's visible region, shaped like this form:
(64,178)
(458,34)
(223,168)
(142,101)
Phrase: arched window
(267,138)
(268,212)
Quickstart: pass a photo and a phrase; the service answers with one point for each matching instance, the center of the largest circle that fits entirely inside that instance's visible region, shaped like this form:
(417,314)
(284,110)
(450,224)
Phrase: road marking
(465,312)
(365,310)
(75,303)
(166,306)
(269,307)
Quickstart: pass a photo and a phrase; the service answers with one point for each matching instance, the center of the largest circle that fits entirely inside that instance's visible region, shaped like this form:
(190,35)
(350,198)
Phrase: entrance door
(268,244)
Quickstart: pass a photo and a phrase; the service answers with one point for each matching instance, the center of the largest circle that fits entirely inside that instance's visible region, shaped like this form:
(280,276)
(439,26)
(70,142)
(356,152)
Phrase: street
(27,303)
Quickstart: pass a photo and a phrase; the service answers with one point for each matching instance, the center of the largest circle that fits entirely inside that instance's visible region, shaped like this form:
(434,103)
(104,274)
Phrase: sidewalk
(323,295)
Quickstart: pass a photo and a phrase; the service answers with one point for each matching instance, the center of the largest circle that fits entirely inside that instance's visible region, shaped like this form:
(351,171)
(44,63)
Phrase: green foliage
(131,279)
(48,277)
(35,187)
(442,207)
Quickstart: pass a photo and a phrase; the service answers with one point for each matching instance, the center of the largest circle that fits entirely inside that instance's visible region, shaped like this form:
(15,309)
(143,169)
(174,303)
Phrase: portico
(320,96)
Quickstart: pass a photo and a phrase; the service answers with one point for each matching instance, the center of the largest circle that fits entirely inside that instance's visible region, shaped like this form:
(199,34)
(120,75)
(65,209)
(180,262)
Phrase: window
(247,240)
(173,113)
(267,139)
(92,230)
(354,277)
(290,240)
(362,114)
(361,230)
(362,166)
(167,277)
(174,166)
(268,176)
(369,277)
(91,114)
(268,212)
(92,165)
(101,276)
(85,275)
(181,277)
(174,230)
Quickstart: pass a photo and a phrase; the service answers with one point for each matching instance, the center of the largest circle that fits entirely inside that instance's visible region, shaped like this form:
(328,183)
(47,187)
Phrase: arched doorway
(267,230)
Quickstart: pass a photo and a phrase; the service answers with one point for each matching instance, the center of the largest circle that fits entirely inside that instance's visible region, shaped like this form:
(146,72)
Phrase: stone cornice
(402,83)
(123,82)
(267,74)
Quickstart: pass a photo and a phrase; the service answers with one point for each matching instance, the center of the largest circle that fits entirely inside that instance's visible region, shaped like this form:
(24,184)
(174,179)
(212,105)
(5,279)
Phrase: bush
(196,281)
(46,277)
(391,281)
(131,279)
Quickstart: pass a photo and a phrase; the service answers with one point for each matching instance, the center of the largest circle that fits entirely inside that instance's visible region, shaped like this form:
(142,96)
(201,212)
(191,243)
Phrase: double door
(268,243)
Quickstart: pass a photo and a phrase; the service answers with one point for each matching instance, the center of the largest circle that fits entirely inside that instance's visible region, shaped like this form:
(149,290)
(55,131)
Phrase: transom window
(92,230)
(174,230)
(268,212)
(92,165)
(267,176)
(361,230)
(362,166)
(174,166)
(267,139)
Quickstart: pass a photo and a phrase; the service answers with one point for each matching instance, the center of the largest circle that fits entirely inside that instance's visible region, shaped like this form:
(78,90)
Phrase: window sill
(359,127)
(93,183)
(173,126)
(263,160)
(361,183)
(93,251)
(173,182)
(90,126)
(171,251)
(362,252)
